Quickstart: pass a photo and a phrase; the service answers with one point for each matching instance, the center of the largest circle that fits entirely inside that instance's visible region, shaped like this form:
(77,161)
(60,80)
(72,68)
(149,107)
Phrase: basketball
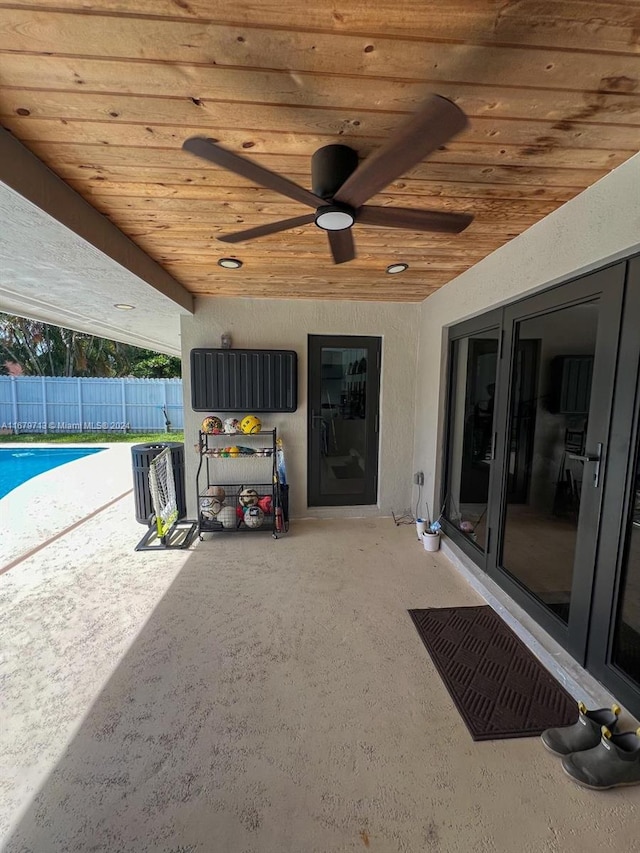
(231,425)
(250,425)
(212,425)
(227,516)
(254,517)
(248,497)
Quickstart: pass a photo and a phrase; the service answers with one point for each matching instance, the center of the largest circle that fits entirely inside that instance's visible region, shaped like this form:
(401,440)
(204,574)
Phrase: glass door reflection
(344,373)
(547,433)
(343,407)
(474,364)
(626,645)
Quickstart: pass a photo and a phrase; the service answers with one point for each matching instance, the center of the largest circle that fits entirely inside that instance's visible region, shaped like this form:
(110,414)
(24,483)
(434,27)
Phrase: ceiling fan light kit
(341,184)
(334,218)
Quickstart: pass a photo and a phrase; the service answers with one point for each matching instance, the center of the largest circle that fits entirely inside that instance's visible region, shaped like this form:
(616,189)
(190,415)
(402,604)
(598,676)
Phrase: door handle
(591,457)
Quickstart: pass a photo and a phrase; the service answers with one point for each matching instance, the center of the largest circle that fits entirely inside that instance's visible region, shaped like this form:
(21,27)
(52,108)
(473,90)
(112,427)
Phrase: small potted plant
(431,534)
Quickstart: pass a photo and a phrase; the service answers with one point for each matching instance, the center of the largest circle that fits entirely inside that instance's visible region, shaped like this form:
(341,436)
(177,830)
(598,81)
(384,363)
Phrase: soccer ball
(234,451)
(231,425)
(248,497)
(216,492)
(209,507)
(254,517)
(212,425)
(250,425)
(227,516)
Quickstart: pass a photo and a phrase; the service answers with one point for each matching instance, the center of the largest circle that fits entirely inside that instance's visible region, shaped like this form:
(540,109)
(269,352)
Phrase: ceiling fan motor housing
(330,168)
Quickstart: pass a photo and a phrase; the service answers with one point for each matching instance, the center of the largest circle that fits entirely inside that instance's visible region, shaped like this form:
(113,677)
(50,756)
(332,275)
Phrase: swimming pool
(17,465)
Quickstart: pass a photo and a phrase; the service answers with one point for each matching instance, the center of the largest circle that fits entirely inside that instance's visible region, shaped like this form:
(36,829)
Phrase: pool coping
(52,503)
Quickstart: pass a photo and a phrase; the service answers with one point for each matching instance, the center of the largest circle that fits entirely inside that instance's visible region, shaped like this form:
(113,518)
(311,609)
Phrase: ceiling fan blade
(414,220)
(205,148)
(434,124)
(271,228)
(342,246)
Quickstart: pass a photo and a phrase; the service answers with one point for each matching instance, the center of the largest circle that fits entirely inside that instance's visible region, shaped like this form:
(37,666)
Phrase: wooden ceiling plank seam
(488,37)
(421,187)
(608,85)
(244,71)
(63,130)
(480,125)
(117,155)
(157,173)
(180,39)
(609,107)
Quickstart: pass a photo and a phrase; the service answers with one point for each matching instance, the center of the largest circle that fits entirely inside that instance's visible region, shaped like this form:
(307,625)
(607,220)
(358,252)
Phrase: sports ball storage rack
(213,470)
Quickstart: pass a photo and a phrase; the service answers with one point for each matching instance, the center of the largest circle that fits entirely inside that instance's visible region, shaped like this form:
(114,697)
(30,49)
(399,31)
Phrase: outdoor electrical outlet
(418,478)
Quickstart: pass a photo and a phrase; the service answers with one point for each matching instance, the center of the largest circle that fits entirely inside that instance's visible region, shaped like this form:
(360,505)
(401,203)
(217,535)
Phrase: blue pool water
(17,465)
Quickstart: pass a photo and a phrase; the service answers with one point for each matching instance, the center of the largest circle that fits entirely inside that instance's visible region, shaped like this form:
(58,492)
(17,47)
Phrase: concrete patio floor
(252,696)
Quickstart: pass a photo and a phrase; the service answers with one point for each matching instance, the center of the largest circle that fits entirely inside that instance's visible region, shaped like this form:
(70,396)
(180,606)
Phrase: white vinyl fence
(57,404)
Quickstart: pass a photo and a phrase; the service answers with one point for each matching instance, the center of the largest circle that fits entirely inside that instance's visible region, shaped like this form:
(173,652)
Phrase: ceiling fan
(341,186)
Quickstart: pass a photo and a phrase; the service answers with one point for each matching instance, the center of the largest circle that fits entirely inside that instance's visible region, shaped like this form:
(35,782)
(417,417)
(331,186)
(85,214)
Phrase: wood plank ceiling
(105,92)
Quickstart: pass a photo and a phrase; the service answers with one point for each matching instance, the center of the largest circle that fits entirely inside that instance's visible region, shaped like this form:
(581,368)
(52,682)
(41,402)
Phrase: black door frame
(373,345)
(618,503)
(608,287)
(491,321)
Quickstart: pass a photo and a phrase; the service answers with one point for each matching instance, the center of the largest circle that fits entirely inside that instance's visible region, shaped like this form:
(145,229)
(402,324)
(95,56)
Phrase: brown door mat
(500,689)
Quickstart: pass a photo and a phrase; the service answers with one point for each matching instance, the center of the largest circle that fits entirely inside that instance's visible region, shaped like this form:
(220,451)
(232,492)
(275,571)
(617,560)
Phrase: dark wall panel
(235,380)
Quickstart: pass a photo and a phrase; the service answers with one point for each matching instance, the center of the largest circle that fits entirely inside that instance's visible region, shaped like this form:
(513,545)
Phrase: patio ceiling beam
(24,173)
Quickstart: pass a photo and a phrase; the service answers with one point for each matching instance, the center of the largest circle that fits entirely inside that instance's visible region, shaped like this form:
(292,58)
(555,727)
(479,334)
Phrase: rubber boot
(584,734)
(614,762)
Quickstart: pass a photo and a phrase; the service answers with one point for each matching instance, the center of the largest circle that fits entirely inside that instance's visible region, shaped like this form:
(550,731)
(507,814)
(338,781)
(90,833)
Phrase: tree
(33,348)
(153,365)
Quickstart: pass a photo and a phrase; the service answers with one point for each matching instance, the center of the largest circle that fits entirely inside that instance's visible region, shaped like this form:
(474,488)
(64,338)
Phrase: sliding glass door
(542,476)
(559,363)
(473,375)
(613,649)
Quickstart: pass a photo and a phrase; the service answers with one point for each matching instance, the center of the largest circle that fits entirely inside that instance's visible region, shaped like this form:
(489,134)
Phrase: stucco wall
(285,324)
(599,226)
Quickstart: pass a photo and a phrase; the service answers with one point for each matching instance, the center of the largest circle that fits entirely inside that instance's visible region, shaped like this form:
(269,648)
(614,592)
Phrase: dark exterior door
(613,653)
(343,405)
(556,520)
(543,548)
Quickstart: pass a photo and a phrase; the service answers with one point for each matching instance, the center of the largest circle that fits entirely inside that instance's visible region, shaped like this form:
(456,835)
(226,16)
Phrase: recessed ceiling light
(230,263)
(123,306)
(393,269)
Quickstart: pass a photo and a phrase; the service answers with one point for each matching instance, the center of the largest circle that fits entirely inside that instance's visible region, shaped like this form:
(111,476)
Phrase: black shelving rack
(214,471)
